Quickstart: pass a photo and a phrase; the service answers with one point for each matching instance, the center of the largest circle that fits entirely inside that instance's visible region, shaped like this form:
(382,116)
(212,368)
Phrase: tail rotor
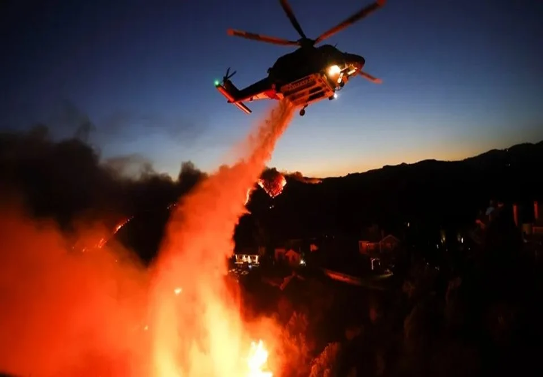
(228,75)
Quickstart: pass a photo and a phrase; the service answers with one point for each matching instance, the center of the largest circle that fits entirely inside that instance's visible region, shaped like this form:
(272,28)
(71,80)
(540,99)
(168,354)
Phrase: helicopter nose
(356,60)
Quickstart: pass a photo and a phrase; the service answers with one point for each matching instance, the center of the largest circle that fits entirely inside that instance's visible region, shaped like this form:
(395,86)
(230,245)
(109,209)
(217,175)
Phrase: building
(241,258)
(279,254)
(380,251)
(533,225)
(527,218)
(289,256)
(249,256)
(537,225)
(388,243)
(293,258)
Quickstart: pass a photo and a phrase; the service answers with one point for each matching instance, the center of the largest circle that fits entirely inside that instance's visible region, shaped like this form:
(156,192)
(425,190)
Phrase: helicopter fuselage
(310,60)
(306,75)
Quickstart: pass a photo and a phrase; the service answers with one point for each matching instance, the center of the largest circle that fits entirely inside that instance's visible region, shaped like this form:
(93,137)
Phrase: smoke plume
(301,178)
(65,313)
(67,180)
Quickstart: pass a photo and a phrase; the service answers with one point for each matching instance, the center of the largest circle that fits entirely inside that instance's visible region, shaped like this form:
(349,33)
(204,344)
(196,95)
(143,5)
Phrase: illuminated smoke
(66,313)
(199,332)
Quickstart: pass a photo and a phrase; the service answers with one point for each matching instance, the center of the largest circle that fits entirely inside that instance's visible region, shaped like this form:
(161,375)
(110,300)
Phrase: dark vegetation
(479,313)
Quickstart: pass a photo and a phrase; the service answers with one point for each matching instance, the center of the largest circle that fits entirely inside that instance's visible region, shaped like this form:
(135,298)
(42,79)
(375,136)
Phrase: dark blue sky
(460,77)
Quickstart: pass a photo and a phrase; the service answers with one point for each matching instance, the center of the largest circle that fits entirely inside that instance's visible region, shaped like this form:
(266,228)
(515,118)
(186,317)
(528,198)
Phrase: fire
(85,315)
(272,182)
(256,362)
(248,194)
(120,225)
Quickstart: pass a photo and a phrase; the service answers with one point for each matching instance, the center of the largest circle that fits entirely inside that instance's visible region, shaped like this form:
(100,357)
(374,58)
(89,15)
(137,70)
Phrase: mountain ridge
(431,193)
(430,160)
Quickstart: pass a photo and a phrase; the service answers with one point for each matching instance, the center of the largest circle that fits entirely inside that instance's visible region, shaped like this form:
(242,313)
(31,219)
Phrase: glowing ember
(102,242)
(256,362)
(120,225)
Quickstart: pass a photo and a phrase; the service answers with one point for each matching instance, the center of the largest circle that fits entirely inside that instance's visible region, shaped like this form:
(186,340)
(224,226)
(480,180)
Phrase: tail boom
(231,100)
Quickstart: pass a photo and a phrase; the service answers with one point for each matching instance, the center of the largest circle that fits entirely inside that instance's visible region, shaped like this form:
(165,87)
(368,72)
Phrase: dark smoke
(189,176)
(133,165)
(66,180)
(69,120)
(298,176)
(271,173)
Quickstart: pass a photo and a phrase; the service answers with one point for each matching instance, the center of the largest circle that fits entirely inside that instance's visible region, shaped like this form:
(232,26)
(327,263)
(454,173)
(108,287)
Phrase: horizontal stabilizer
(231,99)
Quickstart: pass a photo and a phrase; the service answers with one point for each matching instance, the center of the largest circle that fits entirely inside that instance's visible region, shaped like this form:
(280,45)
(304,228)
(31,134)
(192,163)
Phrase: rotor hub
(306,42)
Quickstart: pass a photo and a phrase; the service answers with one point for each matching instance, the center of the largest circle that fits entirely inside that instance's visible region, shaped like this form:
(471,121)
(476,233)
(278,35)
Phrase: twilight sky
(460,77)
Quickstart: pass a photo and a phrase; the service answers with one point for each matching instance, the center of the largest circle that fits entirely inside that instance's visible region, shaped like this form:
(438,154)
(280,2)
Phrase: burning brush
(272,182)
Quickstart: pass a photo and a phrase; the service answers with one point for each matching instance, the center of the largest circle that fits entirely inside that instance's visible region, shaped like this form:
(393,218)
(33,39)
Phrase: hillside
(65,181)
(430,193)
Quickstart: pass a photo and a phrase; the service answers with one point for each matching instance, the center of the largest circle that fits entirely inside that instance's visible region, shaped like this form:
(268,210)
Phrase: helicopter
(305,76)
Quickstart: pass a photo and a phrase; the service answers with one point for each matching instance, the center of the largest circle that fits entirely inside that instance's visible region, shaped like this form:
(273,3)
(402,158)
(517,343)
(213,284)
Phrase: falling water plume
(199,332)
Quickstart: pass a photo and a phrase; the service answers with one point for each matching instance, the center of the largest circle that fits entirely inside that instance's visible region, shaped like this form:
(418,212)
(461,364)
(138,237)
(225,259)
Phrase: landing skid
(303,110)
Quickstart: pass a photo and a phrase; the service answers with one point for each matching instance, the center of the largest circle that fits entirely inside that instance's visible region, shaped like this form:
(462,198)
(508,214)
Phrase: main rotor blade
(373,79)
(262,38)
(351,20)
(289,12)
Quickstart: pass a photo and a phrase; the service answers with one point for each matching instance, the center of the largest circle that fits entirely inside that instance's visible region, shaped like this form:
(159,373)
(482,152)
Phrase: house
(279,254)
(249,256)
(372,247)
(290,256)
(378,250)
(241,258)
(293,258)
(531,226)
(537,213)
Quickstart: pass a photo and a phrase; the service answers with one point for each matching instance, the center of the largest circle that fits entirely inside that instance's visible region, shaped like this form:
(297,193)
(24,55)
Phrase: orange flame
(248,195)
(256,362)
(120,225)
(274,186)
